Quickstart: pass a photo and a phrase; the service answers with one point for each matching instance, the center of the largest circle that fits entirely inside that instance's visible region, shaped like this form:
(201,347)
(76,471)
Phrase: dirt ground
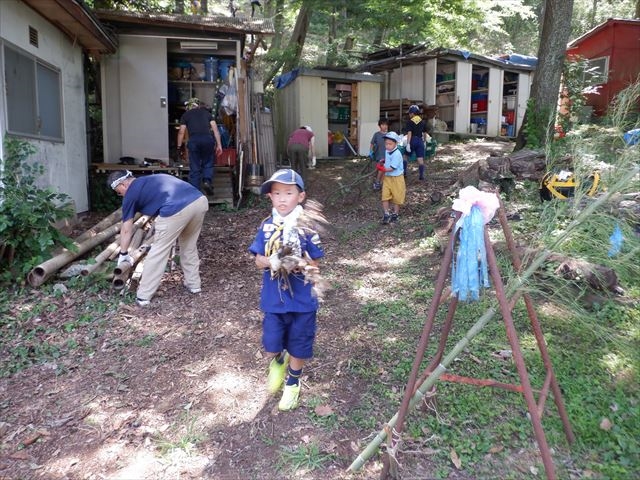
(189,371)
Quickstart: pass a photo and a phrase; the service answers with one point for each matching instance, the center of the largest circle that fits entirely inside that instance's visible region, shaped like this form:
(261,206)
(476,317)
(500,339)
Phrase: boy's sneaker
(277,371)
(386,219)
(142,302)
(290,397)
(394,218)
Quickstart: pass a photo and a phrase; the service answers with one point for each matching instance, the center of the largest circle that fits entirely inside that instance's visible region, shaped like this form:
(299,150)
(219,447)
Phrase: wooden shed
(333,103)
(464,93)
(162,61)
(613,49)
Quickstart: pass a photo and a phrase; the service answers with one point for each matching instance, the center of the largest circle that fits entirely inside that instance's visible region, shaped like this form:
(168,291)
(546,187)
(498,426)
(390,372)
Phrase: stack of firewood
(104,232)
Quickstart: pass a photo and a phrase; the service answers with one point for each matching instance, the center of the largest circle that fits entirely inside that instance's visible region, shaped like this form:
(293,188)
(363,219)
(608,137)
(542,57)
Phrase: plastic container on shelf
(479,102)
(511,102)
(210,69)
(223,68)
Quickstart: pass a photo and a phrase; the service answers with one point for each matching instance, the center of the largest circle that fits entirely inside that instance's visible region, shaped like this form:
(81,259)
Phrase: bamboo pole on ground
(113,248)
(106,222)
(39,274)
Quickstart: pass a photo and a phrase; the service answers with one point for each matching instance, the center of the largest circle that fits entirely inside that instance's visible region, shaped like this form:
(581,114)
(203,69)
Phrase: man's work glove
(274,262)
(124,257)
(407,148)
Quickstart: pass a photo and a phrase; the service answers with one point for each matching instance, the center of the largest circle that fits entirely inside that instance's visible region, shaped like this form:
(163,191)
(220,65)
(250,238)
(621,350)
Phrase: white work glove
(122,258)
(408,148)
(313,162)
(274,262)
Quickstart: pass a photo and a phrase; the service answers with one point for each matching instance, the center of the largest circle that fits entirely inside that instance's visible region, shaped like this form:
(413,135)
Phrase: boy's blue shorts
(294,332)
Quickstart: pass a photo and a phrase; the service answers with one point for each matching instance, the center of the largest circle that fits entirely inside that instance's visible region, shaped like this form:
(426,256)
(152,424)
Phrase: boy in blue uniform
(287,300)
(416,129)
(393,186)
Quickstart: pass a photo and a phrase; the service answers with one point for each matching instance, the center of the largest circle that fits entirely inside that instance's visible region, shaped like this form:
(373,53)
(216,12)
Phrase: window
(596,71)
(34,98)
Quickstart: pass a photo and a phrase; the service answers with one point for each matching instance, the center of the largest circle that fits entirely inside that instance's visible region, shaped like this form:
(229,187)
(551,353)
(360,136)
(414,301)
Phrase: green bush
(27,214)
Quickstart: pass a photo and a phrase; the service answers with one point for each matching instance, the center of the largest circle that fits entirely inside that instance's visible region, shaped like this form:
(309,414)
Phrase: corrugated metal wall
(266,142)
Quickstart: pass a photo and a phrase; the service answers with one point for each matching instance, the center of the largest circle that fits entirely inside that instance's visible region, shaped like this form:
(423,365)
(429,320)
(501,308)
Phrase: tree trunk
(278,24)
(298,37)
(331,54)
(539,118)
(291,60)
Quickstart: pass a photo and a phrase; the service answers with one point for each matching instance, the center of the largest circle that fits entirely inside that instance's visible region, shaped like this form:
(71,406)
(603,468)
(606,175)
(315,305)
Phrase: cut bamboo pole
(112,249)
(100,259)
(106,222)
(39,274)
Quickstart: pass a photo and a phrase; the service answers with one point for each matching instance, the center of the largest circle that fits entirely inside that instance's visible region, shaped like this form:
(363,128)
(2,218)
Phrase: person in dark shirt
(416,128)
(198,122)
(179,209)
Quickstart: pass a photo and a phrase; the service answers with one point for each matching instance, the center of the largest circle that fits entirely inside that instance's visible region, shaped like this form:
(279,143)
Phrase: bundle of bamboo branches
(106,230)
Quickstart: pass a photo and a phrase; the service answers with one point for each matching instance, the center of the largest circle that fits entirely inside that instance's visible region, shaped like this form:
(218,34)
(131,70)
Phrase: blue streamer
(469,271)
(616,239)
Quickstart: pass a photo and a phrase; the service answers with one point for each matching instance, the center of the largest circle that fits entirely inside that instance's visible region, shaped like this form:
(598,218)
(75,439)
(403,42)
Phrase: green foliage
(27,214)
(538,125)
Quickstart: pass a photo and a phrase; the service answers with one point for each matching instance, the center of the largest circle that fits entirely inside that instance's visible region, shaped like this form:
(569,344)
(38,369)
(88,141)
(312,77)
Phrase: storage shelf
(446,81)
(480,90)
(196,82)
(479,112)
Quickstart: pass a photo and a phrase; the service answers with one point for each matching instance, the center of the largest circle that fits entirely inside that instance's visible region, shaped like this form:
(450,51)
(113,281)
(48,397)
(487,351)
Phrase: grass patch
(302,458)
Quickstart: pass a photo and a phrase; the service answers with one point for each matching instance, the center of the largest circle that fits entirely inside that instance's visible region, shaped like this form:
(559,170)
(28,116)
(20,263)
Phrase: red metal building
(613,47)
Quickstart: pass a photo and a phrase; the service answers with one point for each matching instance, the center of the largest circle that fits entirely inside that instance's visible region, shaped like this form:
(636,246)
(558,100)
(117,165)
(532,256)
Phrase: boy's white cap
(286,176)
(392,136)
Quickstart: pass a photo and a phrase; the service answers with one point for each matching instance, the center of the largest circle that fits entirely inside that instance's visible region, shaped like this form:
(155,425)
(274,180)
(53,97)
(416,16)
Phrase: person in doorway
(301,150)
(287,299)
(416,129)
(378,150)
(393,185)
(179,209)
(198,122)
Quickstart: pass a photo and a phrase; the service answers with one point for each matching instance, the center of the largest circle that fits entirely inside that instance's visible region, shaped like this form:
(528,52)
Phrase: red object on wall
(227,159)
(617,40)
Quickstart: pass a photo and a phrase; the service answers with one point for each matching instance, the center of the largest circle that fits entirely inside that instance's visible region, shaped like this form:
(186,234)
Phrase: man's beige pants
(184,226)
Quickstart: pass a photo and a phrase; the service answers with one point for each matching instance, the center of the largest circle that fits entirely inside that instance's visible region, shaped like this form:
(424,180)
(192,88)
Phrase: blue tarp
(285,79)
(517,59)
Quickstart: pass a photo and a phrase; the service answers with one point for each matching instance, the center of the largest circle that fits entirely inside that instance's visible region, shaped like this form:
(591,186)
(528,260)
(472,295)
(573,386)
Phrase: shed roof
(597,29)
(417,55)
(194,23)
(77,22)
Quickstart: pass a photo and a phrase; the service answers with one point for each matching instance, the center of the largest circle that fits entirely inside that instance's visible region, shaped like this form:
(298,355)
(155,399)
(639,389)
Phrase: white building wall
(66,163)
(369,111)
